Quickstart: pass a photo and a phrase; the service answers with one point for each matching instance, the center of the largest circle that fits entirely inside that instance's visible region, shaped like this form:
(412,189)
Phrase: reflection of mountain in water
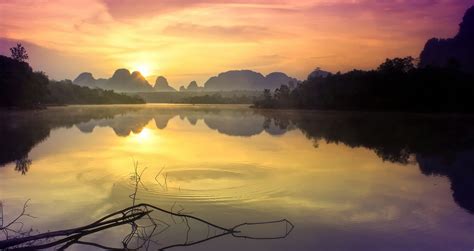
(122,125)
(459,168)
(394,137)
(24,130)
(18,138)
(441,145)
(240,123)
(21,131)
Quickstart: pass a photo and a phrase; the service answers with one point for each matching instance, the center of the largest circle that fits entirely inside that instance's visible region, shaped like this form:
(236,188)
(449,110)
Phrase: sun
(144,69)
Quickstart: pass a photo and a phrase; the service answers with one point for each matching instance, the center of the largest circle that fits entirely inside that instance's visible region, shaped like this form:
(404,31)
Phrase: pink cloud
(233,33)
(57,64)
(138,8)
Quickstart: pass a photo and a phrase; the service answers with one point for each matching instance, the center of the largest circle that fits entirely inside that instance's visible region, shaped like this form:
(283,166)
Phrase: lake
(345,181)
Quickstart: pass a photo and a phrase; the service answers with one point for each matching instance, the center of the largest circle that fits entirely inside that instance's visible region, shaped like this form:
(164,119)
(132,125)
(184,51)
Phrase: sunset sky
(186,40)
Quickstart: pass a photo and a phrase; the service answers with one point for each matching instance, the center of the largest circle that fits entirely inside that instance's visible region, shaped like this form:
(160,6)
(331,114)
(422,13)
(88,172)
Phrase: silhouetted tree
(397,65)
(23,165)
(267,96)
(266,100)
(20,86)
(19,53)
(282,94)
(396,85)
(217,98)
(65,92)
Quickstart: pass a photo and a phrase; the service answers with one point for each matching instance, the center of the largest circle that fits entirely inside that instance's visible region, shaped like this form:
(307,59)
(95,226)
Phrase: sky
(187,40)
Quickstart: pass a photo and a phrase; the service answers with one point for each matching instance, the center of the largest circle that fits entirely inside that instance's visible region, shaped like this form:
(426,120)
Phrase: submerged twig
(7,229)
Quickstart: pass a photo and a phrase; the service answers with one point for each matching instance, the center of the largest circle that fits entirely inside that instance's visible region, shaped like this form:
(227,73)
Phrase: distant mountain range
(318,73)
(161,85)
(247,80)
(192,87)
(453,52)
(124,81)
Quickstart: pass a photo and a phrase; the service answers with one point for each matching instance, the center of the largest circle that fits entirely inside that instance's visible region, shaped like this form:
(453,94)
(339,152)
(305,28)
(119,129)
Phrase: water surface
(347,181)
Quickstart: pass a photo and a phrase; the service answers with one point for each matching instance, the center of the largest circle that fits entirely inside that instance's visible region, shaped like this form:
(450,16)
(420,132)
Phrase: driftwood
(121,217)
(62,239)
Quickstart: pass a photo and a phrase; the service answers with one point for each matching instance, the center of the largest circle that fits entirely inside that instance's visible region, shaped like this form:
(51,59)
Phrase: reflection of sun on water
(146,135)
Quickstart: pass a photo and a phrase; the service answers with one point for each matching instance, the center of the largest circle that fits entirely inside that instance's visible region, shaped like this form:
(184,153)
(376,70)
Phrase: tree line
(396,85)
(217,98)
(22,87)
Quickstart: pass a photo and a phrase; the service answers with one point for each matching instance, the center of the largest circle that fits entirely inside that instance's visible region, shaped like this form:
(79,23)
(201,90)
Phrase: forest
(22,87)
(396,85)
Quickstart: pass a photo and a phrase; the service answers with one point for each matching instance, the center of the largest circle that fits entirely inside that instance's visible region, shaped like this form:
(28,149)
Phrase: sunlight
(144,135)
(144,69)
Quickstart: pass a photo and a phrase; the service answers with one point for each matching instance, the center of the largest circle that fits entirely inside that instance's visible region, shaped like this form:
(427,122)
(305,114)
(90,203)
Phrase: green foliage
(395,86)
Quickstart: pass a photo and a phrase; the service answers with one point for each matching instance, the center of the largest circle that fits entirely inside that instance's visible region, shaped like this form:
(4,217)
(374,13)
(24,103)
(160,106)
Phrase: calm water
(360,181)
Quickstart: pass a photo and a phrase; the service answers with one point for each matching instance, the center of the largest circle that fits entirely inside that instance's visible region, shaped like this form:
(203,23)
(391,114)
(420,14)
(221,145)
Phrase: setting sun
(144,69)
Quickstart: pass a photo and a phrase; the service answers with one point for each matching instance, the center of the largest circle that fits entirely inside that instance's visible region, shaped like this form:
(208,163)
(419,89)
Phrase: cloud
(233,33)
(262,63)
(419,17)
(124,9)
(57,64)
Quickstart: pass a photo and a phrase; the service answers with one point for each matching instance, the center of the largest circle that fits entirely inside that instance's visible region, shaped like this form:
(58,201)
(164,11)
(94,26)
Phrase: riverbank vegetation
(201,97)
(22,87)
(396,85)
(65,92)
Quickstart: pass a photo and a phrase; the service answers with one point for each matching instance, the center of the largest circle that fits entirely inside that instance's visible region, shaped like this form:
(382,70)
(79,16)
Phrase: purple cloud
(234,33)
(135,8)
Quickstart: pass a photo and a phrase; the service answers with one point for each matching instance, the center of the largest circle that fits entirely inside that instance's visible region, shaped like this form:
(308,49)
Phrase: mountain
(455,52)
(161,85)
(192,87)
(235,80)
(318,73)
(85,79)
(122,80)
(246,80)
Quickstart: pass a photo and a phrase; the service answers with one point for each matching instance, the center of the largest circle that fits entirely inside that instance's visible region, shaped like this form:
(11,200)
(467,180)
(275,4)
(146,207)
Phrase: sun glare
(143,140)
(144,69)
(144,135)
